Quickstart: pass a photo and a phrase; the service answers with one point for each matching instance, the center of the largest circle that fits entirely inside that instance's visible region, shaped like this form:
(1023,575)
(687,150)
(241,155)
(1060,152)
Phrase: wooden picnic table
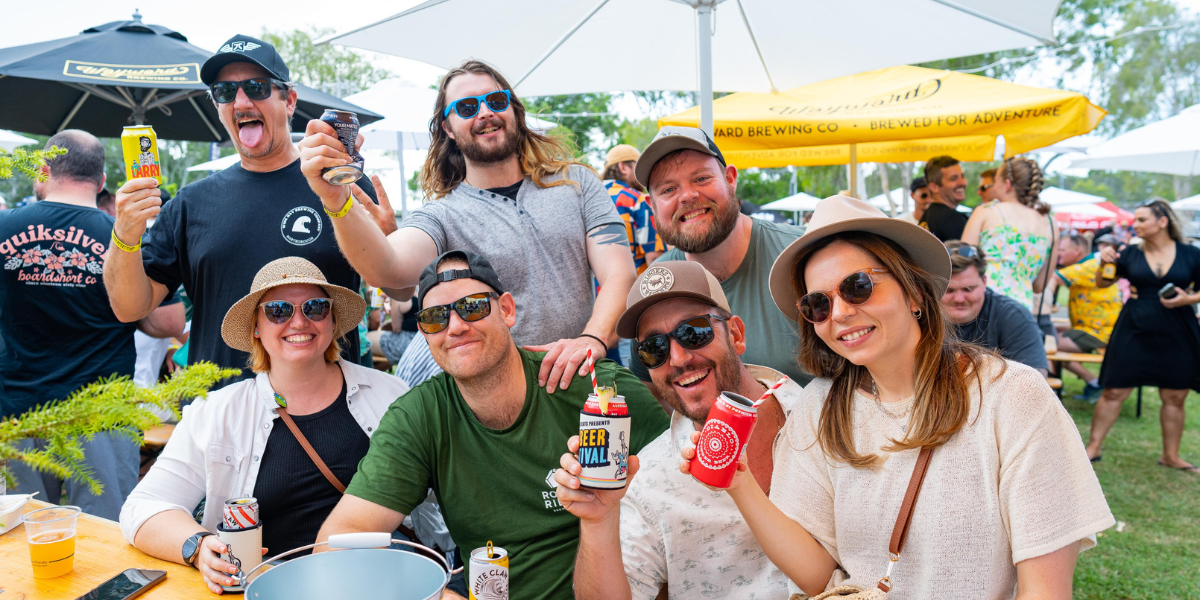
(100,553)
(1075,357)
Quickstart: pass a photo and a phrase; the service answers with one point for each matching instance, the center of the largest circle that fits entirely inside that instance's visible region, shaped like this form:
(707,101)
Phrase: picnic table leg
(1139,404)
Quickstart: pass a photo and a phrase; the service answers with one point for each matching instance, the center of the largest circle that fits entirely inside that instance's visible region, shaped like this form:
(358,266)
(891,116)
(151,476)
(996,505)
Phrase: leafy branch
(116,404)
(28,162)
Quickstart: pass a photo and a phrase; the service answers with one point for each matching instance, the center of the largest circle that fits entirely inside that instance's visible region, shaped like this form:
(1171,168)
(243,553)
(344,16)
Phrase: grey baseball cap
(668,140)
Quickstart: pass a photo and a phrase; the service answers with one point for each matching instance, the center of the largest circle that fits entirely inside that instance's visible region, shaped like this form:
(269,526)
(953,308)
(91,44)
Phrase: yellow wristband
(123,245)
(341,213)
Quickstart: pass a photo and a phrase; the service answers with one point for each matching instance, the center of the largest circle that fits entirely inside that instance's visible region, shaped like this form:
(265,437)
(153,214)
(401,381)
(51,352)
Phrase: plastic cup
(51,534)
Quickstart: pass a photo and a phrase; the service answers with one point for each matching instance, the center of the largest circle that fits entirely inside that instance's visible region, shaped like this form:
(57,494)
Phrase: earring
(917,314)
(255,333)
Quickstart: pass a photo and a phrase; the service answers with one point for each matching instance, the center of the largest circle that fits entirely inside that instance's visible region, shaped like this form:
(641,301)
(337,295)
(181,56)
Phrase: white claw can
(488,573)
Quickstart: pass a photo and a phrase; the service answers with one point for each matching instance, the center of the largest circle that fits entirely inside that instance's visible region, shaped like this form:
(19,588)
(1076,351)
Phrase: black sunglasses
(469,107)
(985,187)
(281,311)
(923,195)
(469,308)
(694,333)
(855,289)
(257,88)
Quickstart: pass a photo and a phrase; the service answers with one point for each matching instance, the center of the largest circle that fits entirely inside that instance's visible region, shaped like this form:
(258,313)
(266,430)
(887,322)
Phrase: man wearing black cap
(483,435)
(919,192)
(216,234)
(696,208)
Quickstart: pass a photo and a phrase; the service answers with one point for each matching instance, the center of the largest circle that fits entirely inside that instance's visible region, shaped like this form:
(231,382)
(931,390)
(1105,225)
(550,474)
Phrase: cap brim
(924,248)
(660,148)
(237,329)
(627,325)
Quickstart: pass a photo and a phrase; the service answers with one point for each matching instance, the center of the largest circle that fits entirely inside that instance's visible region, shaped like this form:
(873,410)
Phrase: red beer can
(240,513)
(722,439)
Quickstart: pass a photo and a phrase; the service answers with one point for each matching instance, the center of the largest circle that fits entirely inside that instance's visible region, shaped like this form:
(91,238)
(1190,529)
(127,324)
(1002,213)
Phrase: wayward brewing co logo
(55,257)
(180,73)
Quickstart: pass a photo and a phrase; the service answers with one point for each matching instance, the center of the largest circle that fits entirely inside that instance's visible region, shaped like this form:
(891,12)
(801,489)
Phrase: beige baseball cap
(665,280)
(621,153)
(668,140)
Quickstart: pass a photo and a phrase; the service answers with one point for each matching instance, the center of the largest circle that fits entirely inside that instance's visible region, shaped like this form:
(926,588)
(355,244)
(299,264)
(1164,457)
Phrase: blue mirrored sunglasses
(468,107)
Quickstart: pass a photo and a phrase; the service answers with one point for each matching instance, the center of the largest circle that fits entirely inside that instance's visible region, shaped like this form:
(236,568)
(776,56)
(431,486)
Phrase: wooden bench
(1055,384)
(1075,357)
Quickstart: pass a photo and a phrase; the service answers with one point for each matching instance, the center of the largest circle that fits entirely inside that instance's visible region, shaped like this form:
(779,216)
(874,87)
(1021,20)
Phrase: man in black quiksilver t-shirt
(218,232)
(58,331)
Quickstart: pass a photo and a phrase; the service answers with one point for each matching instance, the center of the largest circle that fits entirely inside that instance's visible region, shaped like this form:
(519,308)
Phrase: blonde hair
(540,156)
(945,367)
(260,361)
(1027,181)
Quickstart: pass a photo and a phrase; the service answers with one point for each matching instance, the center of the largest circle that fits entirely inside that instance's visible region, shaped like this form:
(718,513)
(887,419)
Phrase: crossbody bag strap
(904,519)
(308,449)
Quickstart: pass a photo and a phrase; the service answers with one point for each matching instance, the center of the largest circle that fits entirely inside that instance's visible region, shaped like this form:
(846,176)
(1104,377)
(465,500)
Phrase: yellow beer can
(140,146)
(488,573)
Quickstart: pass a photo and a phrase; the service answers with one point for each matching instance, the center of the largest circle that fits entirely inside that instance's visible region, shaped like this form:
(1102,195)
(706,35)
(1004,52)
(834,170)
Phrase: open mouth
(299,338)
(693,380)
(693,215)
(854,335)
(250,130)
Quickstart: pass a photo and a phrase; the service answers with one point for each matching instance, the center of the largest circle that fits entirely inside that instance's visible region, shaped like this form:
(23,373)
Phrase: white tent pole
(854,170)
(403,179)
(704,15)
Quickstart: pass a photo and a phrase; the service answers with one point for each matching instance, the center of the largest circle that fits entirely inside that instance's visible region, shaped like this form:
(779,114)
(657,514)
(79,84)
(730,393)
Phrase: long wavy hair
(540,156)
(945,367)
(1161,208)
(1027,181)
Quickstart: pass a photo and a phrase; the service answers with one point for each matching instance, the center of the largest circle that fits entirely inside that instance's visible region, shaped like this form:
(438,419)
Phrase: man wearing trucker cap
(483,435)
(696,208)
(666,530)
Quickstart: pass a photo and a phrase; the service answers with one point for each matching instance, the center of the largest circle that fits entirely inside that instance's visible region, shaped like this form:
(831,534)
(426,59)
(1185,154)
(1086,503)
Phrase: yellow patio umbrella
(896,114)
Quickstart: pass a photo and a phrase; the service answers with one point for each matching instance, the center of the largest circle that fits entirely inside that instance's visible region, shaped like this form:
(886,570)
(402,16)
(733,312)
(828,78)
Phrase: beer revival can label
(140,147)
(604,444)
(488,574)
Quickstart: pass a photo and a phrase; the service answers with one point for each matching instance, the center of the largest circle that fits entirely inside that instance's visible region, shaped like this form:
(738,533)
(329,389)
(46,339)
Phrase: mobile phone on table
(1168,291)
(126,586)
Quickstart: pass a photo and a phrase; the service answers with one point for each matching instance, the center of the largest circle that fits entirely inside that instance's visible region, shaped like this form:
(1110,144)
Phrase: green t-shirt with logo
(493,484)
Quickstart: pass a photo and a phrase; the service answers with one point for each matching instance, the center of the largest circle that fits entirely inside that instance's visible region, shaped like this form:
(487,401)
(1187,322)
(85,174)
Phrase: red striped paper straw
(592,372)
(771,390)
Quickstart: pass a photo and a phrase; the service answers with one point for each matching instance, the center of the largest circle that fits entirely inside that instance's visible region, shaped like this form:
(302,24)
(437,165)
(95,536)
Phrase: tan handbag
(899,533)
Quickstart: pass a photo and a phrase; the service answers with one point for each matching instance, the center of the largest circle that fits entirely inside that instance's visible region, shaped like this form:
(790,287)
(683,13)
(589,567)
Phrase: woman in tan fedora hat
(250,438)
(1007,497)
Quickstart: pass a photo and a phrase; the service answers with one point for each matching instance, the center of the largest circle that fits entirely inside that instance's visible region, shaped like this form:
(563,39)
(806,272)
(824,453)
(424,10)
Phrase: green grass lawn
(1157,553)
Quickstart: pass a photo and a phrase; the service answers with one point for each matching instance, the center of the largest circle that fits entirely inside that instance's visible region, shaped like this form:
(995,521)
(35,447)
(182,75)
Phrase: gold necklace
(890,414)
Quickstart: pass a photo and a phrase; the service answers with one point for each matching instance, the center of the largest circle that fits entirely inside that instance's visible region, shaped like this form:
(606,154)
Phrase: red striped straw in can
(771,390)
(592,372)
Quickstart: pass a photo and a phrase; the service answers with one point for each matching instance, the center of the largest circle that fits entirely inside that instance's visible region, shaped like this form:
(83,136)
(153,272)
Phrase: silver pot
(365,569)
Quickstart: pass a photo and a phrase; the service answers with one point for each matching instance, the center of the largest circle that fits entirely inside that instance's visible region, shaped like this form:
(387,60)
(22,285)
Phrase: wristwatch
(191,548)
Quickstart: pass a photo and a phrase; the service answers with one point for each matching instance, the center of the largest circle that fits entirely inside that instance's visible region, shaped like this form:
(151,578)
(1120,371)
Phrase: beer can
(488,573)
(604,444)
(724,436)
(240,513)
(140,146)
(345,123)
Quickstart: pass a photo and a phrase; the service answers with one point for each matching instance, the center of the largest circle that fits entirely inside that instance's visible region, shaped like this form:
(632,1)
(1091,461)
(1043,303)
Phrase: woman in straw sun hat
(239,441)
(1008,499)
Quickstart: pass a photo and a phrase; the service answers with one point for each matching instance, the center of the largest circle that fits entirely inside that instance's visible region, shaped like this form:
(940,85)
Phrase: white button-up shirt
(216,449)
(677,532)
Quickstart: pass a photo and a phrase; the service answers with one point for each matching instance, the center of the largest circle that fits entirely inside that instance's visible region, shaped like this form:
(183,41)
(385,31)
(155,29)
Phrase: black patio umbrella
(124,73)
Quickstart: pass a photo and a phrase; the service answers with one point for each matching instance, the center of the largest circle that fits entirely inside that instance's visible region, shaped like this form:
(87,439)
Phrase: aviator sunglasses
(469,308)
(694,333)
(281,311)
(468,107)
(258,88)
(855,289)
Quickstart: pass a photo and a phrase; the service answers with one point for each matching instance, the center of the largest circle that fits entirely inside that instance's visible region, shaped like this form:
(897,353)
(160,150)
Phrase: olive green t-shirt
(494,484)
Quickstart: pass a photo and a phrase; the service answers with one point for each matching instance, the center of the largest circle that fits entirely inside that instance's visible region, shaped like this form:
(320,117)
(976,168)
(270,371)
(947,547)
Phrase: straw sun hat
(838,214)
(238,327)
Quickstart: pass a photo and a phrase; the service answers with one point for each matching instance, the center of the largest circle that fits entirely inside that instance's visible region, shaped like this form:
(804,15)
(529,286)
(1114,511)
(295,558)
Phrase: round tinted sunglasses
(855,289)
(696,332)
(258,88)
(468,107)
(281,311)
(469,308)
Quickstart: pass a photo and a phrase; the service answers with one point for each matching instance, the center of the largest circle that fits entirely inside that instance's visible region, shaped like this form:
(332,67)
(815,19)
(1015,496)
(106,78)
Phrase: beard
(477,153)
(727,373)
(725,219)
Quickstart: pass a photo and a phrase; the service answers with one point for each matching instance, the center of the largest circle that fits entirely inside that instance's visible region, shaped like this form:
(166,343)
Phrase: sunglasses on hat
(692,334)
(258,88)
(855,289)
(281,311)
(469,308)
(468,107)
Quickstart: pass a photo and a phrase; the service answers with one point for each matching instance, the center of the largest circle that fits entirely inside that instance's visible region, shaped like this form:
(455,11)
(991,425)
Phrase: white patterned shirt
(677,532)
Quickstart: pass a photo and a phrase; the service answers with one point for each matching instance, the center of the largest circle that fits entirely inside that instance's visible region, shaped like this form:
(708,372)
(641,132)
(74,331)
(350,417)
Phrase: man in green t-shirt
(483,435)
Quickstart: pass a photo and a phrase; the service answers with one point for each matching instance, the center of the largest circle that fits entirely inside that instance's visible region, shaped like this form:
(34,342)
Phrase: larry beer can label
(140,147)
(604,444)
(724,436)
(488,573)
(345,123)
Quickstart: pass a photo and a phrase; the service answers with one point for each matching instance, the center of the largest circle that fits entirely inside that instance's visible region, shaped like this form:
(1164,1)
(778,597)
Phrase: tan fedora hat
(838,214)
(238,327)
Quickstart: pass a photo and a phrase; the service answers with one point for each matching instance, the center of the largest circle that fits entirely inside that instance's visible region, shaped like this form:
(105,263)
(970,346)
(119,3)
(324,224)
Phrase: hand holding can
(717,455)
(322,149)
(137,201)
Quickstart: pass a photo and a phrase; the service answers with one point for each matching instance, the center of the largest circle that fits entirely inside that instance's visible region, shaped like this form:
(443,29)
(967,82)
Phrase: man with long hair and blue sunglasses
(499,189)
(216,233)
(665,532)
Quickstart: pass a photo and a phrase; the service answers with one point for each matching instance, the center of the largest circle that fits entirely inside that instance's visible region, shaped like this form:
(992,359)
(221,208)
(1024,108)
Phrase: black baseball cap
(917,184)
(243,48)
(478,268)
